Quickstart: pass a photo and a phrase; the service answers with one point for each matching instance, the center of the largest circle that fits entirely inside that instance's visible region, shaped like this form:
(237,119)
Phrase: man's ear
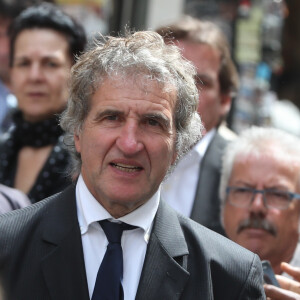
(226,100)
(77,142)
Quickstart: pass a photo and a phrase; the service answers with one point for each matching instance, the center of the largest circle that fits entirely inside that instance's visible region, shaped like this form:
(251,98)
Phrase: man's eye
(111,117)
(22,64)
(203,82)
(279,195)
(153,122)
(198,82)
(242,191)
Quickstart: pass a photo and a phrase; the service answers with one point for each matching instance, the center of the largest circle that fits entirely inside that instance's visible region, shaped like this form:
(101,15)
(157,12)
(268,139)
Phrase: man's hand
(275,293)
(289,289)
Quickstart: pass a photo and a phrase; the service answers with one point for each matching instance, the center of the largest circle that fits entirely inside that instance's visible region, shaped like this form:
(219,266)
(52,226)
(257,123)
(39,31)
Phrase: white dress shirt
(133,242)
(180,187)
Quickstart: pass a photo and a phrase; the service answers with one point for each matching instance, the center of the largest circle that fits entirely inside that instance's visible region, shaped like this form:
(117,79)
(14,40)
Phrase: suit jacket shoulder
(185,260)
(41,254)
(206,208)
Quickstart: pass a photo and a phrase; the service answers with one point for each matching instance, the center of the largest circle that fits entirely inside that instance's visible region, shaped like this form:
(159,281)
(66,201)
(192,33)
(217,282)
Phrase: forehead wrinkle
(145,85)
(158,114)
(104,112)
(133,101)
(284,175)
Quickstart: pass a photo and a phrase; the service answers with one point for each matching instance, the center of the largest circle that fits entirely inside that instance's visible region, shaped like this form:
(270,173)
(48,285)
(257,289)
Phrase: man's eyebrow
(159,117)
(107,112)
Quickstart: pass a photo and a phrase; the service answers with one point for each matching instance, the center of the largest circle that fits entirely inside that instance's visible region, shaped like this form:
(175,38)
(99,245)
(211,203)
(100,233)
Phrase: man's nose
(258,204)
(129,139)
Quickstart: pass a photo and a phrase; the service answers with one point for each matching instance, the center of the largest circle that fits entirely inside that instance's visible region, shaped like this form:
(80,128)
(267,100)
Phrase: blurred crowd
(242,185)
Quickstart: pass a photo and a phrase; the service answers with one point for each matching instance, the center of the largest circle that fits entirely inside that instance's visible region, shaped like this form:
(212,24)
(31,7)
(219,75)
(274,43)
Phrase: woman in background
(44,45)
(11,199)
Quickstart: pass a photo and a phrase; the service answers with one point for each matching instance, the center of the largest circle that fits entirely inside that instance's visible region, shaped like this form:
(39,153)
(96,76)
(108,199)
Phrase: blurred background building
(265,40)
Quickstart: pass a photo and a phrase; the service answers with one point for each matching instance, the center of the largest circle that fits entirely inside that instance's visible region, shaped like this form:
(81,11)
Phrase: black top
(53,176)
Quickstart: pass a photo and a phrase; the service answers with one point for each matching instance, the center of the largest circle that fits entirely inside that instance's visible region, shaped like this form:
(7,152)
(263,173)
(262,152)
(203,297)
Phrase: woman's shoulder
(11,199)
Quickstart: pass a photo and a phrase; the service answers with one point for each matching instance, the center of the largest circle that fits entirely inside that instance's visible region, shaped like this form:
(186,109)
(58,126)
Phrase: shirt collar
(90,211)
(202,145)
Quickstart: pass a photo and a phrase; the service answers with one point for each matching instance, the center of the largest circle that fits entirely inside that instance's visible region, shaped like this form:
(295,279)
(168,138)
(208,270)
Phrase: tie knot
(113,231)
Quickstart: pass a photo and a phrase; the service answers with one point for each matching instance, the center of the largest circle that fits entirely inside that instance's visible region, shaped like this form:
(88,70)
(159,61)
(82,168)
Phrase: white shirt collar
(202,145)
(195,155)
(90,211)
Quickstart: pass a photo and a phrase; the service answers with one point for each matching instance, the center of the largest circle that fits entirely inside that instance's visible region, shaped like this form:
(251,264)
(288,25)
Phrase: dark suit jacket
(206,207)
(41,257)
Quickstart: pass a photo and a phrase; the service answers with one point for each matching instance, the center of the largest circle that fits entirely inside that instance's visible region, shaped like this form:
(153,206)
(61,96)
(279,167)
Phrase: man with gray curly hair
(132,113)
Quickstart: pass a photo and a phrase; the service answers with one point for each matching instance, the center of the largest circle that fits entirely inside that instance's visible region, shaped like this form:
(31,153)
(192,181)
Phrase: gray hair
(141,55)
(256,140)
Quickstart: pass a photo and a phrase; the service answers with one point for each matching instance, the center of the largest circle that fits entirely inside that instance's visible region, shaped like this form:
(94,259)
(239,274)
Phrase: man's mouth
(126,168)
(257,223)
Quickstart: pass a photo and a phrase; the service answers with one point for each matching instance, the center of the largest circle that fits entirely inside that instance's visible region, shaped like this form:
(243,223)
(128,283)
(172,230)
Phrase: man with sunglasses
(260,192)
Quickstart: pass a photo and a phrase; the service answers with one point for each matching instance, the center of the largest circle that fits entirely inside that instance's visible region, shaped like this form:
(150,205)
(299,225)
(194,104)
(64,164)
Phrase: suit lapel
(206,203)
(63,263)
(164,275)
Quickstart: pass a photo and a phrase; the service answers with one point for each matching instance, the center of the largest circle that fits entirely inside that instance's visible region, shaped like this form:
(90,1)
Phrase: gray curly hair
(141,55)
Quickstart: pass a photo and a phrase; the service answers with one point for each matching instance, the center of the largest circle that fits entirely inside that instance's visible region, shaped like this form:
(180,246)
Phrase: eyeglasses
(244,196)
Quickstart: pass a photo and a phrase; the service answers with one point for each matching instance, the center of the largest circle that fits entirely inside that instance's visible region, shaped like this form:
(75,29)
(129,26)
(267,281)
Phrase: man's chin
(123,204)
(255,240)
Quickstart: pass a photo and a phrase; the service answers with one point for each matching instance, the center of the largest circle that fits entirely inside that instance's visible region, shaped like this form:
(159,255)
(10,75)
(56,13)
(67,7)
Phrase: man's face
(213,105)
(40,73)
(127,143)
(4,50)
(265,171)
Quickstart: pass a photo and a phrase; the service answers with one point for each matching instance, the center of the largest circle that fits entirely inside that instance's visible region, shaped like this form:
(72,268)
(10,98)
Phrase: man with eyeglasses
(260,192)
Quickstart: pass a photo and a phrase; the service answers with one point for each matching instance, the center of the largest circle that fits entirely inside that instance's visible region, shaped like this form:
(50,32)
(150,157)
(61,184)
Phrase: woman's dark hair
(49,16)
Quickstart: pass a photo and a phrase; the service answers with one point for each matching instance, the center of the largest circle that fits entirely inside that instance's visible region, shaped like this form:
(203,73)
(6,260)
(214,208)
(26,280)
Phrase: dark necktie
(108,283)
